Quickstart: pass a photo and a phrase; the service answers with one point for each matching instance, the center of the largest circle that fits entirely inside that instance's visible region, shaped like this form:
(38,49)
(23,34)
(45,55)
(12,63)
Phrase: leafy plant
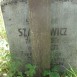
(4,59)
(13,68)
(20,74)
(52,73)
(71,72)
(31,70)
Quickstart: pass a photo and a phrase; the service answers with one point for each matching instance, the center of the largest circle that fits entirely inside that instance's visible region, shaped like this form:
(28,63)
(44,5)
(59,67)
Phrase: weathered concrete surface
(17,26)
(64,33)
(40,33)
(15,13)
(11,1)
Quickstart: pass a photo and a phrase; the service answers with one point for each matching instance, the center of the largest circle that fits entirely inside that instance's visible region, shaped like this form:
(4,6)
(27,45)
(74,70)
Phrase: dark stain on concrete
(4,2)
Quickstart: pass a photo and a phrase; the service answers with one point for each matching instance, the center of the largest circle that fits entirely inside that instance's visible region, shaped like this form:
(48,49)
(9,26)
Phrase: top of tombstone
(5,2)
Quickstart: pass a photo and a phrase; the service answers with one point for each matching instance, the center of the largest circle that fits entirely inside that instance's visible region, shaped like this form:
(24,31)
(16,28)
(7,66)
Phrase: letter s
(20,31)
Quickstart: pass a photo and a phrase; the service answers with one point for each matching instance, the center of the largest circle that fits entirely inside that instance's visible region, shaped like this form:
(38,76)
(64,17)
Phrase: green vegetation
(71,72)
(54,72)
(13,71)
(2,28)
(31,70)
(4,49)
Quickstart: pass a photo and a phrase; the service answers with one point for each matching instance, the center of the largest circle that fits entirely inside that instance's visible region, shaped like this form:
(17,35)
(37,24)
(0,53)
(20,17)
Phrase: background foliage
(4,48)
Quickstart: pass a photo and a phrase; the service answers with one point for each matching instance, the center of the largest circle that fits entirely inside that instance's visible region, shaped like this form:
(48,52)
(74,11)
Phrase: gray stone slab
(17,27)
(64,33)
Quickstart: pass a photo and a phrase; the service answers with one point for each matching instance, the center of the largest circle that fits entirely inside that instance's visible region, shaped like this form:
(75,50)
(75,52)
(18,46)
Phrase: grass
(4,58)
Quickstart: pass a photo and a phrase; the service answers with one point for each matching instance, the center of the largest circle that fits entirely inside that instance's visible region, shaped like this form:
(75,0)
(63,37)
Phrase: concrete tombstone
(15,14)
(16,18)
(64,32)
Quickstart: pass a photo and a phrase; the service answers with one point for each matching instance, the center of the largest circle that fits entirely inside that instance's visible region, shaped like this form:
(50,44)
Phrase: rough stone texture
(40,33)
(6,1)
(17,27)
(64,33)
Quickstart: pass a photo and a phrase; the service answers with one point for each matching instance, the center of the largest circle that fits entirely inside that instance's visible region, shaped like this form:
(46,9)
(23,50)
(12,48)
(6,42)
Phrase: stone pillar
(40,32)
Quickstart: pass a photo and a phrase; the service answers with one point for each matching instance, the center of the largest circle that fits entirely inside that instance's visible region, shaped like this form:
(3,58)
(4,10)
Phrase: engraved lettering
(20,31)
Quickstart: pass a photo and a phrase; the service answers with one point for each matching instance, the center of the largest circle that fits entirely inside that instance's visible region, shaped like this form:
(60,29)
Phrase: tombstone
(15,14)
(19,31)
(64,33)
(55,17)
